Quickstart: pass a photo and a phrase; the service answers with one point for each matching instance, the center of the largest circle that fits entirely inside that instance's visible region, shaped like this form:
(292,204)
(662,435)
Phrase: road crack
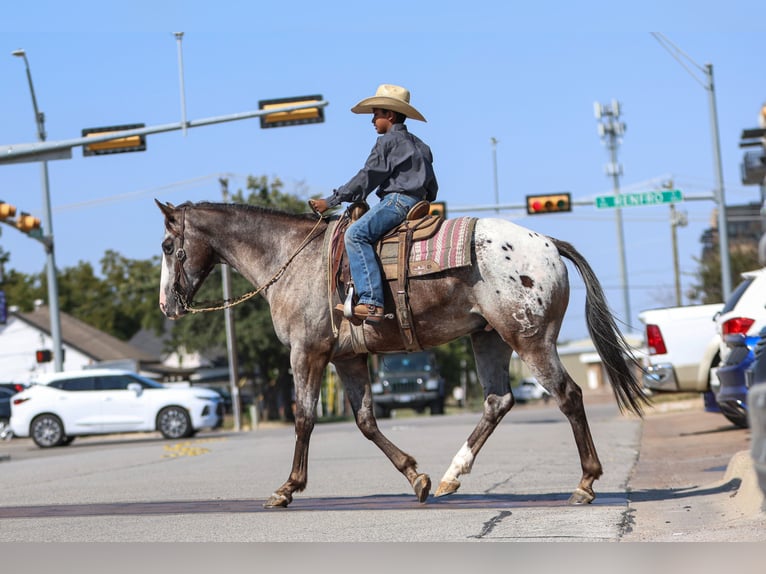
(489,526)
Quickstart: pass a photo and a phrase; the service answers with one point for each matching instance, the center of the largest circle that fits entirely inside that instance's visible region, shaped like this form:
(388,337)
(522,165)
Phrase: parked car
(5,411)
(732,376)
(744,312)
(529,390)
(408,381)
(739,325)
(62,406)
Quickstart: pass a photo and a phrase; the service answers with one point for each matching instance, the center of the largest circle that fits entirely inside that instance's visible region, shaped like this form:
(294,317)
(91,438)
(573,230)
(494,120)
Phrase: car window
(115,383)
(734,298)
(81,384)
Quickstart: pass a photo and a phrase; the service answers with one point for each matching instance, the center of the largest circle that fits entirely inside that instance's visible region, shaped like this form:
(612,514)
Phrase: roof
(88,340)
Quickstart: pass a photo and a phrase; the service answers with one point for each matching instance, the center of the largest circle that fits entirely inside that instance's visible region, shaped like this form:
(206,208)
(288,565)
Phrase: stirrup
(348,304)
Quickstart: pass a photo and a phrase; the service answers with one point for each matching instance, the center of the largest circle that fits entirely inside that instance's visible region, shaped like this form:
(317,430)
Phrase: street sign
(639,199)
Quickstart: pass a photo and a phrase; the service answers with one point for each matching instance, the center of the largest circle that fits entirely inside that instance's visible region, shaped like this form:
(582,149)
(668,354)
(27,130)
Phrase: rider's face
(382,120)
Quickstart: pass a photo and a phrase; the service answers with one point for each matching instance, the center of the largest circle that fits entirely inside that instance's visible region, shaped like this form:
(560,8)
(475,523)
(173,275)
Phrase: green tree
(707,288)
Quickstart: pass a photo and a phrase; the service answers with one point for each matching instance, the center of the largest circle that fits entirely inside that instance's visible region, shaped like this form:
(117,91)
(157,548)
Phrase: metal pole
(674,221)
(494,171)
(620,230)
(179,38)
(231,340)
(723,233)
(611,129)
(53,295)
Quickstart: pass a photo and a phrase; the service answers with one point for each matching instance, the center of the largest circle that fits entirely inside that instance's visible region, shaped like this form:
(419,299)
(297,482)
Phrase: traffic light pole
(53,295)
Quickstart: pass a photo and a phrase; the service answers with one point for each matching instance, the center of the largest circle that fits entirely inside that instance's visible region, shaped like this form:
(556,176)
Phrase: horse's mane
(257,209)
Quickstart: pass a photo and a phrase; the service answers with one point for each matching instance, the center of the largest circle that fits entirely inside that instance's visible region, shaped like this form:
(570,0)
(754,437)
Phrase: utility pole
(53,293)
(611,130)
(231,339)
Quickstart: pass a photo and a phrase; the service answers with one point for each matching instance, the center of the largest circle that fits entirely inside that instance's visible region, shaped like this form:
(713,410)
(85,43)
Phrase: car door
(78,404)
(123,409)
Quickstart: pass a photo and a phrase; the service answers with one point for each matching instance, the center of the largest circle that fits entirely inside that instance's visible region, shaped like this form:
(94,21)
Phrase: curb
(750,497)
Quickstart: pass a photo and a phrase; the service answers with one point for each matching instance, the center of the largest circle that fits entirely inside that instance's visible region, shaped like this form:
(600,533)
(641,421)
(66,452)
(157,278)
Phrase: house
(23,334)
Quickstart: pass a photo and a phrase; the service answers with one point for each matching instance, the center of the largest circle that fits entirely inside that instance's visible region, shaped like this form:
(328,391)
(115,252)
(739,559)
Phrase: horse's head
(187,259)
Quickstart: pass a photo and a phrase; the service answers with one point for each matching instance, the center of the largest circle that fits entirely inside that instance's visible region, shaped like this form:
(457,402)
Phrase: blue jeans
(360,239)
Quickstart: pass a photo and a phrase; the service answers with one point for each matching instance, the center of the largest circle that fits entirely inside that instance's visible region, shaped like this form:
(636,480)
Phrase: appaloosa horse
(512,297)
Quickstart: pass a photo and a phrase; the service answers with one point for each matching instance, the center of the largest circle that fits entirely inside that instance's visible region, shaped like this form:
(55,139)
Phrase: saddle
(418,225)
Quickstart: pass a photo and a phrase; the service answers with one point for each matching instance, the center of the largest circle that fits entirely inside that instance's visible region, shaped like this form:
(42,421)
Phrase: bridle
(180,287)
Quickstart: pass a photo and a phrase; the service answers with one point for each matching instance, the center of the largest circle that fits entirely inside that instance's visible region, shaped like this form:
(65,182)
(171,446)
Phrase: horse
(511,297)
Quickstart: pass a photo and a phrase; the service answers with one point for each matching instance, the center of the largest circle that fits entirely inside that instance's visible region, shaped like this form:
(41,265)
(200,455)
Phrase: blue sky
(525,75)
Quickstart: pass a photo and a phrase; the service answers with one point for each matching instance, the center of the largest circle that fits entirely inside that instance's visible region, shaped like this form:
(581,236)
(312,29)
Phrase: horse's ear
(166,208)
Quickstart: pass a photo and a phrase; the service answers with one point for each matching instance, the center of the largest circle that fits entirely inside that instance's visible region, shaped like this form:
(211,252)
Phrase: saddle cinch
(394,251)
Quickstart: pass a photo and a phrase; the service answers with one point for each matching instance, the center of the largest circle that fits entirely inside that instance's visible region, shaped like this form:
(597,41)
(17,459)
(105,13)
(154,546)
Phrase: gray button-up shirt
(399,162)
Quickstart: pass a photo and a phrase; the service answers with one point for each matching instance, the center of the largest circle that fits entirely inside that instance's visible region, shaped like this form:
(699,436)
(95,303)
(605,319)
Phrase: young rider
(400,167)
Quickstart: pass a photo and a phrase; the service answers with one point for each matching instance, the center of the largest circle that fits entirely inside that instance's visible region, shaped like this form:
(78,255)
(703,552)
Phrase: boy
(400,167)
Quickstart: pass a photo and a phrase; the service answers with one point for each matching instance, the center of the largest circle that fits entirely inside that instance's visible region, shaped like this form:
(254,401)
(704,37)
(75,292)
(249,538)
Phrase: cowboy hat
(389,97)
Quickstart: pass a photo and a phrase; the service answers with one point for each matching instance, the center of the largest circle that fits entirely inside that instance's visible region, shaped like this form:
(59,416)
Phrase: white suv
(60,406)
(745,310)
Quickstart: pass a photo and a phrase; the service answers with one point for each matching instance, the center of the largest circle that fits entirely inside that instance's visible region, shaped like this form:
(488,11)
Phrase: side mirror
(136,388)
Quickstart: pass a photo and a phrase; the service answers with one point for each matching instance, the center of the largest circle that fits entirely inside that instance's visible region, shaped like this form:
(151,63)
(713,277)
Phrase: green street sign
(639,199)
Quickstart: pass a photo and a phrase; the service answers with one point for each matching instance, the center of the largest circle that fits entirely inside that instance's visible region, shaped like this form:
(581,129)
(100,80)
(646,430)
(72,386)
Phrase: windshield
(736,295)
(405,363)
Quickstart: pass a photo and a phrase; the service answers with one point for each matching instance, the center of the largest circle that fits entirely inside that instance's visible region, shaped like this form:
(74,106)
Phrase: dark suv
(407,380)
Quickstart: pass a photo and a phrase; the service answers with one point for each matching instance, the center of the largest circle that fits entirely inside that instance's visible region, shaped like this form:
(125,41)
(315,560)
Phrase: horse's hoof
(581,496)
(277,501)
(422,487)
(447,487)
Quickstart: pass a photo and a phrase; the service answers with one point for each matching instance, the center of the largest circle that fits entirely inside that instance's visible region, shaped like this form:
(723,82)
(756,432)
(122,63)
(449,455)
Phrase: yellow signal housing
(550,203)
(303,116)
(7,210)
(438,208)
(27,223)
(117,145)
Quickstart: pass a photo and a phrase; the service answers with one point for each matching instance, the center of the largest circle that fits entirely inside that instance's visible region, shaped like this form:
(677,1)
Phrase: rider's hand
(319,205)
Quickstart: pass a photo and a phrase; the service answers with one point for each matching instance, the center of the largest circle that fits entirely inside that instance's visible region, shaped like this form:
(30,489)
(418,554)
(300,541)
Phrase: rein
(228,303)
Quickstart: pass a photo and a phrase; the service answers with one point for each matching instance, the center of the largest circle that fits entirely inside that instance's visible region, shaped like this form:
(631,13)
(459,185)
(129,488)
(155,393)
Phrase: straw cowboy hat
(389,97)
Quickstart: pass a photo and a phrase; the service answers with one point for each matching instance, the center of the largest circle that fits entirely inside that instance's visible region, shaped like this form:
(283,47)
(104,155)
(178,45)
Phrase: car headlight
(432,384)
(377,388)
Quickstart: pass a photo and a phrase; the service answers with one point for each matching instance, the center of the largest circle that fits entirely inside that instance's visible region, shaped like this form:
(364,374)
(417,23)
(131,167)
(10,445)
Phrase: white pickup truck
(683,346)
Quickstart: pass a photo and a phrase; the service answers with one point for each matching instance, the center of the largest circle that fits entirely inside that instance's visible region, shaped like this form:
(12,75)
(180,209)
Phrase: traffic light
(552,203)
(6,210)
(294,117)
(438,208)
(27,223)
(44,356)
(119,145)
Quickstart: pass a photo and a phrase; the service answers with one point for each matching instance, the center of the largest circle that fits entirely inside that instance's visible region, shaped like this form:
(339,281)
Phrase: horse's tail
(615,352)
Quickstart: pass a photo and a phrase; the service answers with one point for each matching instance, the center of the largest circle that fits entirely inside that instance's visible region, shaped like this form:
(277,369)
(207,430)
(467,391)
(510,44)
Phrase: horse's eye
(167,246)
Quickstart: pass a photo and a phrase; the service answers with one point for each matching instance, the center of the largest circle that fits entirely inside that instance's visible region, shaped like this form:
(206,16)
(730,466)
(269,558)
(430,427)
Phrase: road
(665,480)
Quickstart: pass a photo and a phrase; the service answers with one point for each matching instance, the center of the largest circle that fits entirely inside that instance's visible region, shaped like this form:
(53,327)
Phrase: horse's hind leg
(544,363)
(356,379)
(493,356)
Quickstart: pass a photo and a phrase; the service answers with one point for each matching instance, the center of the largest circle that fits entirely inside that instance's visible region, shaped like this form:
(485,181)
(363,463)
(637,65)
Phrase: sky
(524,74)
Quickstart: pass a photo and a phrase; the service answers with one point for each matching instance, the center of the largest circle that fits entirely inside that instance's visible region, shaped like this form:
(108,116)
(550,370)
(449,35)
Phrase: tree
(707,288)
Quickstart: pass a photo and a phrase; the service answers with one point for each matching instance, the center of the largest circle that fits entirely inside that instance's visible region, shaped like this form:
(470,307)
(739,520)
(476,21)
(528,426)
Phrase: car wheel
(47,431)
(380,411)
(174,423)
(437,407)
(736,418)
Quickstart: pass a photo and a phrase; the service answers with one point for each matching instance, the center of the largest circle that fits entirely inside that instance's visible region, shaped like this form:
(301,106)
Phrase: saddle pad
(450,247)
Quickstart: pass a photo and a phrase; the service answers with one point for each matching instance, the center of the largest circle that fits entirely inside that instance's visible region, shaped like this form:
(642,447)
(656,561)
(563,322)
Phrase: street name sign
(639,199)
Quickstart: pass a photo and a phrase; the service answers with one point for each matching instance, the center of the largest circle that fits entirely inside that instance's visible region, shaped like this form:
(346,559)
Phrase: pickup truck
(683,348)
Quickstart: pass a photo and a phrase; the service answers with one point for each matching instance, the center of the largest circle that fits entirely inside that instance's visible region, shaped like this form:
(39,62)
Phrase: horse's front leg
(356,380)
(307,374)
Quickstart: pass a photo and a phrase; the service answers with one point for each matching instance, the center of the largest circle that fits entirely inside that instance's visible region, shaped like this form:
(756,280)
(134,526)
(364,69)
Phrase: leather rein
(179,273)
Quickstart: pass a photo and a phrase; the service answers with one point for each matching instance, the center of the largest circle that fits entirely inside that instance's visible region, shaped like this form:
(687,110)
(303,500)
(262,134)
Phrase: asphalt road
(665,480)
